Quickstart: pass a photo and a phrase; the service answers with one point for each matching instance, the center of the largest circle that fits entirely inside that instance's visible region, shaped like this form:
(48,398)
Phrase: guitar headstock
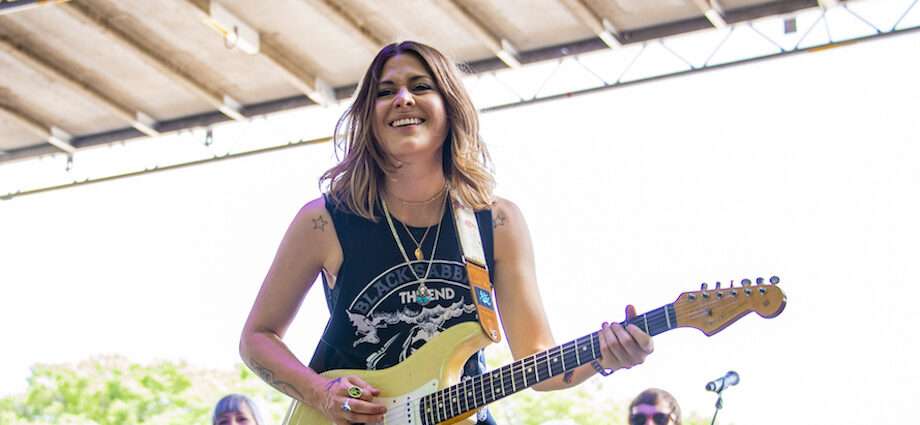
(711,310)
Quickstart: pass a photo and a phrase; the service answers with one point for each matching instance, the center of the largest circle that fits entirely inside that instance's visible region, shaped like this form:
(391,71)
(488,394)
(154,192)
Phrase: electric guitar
(426,388)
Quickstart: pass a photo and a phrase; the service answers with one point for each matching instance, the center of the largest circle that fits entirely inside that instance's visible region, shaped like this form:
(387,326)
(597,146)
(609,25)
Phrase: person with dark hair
(236,409)
(656,406)
(383,240)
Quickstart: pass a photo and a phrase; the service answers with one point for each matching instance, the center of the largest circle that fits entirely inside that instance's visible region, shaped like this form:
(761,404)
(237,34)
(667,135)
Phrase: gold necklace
(419,255)
(425,202)
(423,295)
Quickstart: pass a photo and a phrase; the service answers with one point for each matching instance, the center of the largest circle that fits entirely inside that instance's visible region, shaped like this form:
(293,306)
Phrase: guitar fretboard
(476,392)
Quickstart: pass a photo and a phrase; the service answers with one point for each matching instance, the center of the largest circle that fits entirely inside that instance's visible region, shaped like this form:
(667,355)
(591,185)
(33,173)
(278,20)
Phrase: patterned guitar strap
(476,269)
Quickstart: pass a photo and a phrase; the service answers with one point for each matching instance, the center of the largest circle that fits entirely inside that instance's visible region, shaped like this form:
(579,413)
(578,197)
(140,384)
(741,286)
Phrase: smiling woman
(414,177)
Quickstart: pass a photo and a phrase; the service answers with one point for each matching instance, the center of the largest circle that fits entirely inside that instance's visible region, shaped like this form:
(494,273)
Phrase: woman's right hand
(359,410)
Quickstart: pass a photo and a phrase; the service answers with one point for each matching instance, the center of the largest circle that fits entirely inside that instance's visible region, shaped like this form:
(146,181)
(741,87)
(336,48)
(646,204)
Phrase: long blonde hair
(355,181)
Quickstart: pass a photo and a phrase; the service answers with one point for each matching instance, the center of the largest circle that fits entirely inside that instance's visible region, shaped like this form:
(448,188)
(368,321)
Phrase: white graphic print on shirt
(386,309)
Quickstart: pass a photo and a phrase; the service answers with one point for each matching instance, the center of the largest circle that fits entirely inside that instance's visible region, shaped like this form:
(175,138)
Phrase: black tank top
(376,320)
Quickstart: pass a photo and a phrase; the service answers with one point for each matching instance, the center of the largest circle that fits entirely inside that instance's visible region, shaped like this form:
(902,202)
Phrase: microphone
(730,378)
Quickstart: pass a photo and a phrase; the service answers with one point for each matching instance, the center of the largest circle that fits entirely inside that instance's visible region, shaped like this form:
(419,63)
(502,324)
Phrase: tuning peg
(760,281)
(745,282)
(731,284)
(774,280)
(703,286)
(718,285)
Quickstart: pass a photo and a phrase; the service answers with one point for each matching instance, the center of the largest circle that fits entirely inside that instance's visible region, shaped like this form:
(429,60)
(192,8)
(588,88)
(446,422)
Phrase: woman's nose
(404,98)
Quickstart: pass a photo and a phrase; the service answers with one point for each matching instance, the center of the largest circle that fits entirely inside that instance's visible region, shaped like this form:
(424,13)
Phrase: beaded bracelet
(600,369)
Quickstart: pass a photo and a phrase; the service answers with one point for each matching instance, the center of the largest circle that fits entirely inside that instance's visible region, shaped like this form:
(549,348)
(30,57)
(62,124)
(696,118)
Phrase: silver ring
(345,407)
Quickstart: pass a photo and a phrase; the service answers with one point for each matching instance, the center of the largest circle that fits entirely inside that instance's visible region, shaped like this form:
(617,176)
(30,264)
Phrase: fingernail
(604,325)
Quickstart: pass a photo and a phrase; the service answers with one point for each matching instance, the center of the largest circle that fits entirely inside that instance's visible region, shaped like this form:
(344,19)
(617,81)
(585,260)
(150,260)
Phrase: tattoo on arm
(269,377)
(319,223)
(499,220)
(569,376)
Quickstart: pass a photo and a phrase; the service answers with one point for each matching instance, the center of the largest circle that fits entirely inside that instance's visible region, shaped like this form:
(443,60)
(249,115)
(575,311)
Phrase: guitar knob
(774,280)
(745,282)
(731,284)
(718,285)
(703,286)
(760,281)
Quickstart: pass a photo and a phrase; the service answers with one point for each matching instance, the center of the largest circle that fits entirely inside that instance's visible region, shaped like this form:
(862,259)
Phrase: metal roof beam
(139,120)
(53,135)
(371,40)
(602,27)
(8,7)
(314,87)
(223,103)
(499,46)
(712,10)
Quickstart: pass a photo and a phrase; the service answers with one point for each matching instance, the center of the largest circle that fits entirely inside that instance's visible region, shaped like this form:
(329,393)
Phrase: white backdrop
(805,167)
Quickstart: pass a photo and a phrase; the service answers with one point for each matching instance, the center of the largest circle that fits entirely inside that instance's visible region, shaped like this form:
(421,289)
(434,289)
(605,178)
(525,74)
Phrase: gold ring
(354,391)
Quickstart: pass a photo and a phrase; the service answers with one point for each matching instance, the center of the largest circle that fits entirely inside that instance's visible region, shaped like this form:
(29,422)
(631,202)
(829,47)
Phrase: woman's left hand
(624,347)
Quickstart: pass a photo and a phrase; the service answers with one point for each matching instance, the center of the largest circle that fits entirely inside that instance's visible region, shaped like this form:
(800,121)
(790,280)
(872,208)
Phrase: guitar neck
(476,392)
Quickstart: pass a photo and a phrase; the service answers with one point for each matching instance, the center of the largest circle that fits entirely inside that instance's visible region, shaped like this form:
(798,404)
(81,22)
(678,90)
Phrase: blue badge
(485,298)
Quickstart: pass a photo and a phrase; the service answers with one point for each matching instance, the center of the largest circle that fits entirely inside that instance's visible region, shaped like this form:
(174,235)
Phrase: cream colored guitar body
(435,366)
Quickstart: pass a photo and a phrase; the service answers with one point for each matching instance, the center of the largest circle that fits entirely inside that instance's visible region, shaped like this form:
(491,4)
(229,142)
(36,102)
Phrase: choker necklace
(423,295)
(426,201)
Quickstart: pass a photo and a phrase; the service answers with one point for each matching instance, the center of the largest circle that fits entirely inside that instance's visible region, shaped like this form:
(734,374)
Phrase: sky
(805,167)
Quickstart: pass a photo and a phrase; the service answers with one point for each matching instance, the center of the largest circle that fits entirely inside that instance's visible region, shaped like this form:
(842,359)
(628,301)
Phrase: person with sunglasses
(654,406)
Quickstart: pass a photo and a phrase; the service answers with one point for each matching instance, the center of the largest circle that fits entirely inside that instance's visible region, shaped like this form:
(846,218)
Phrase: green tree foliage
(112,390)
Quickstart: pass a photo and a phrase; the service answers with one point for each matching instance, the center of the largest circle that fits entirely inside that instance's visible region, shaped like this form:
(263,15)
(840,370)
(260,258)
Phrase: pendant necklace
(423,295)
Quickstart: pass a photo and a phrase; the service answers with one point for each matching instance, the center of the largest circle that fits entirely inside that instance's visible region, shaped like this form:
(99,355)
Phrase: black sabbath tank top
(376,319)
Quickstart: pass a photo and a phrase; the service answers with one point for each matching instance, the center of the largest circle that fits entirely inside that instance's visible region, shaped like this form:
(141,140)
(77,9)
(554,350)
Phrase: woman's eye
(422,87)
(381,93)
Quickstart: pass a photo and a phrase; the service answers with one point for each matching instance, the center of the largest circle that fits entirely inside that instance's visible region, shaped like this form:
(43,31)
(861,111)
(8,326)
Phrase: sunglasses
(658,418)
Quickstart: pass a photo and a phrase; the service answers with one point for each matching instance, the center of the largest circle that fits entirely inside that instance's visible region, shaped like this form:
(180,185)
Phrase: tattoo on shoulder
(499,220)
(319,223)
(269,377)
(569,375)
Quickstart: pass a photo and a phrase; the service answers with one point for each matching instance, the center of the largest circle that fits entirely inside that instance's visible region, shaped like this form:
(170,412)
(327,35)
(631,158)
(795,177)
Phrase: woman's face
(410,120)
(241,417)
(651,414)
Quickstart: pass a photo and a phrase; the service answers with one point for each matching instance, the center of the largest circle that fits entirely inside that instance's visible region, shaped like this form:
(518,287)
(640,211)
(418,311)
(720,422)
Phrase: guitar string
(454,400)
(454,394)
(538,363)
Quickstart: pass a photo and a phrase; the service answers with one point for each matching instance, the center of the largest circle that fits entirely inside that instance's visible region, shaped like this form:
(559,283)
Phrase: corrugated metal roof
(100,71)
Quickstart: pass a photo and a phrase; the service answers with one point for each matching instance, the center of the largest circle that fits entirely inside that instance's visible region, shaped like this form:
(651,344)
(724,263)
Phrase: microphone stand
(718,407)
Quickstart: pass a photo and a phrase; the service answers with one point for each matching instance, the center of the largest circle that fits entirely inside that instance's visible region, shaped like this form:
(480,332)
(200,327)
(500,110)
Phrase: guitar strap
(476,268)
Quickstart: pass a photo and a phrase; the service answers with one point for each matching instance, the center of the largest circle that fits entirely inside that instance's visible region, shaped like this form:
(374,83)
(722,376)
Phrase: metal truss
(827,27)
(831,26)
